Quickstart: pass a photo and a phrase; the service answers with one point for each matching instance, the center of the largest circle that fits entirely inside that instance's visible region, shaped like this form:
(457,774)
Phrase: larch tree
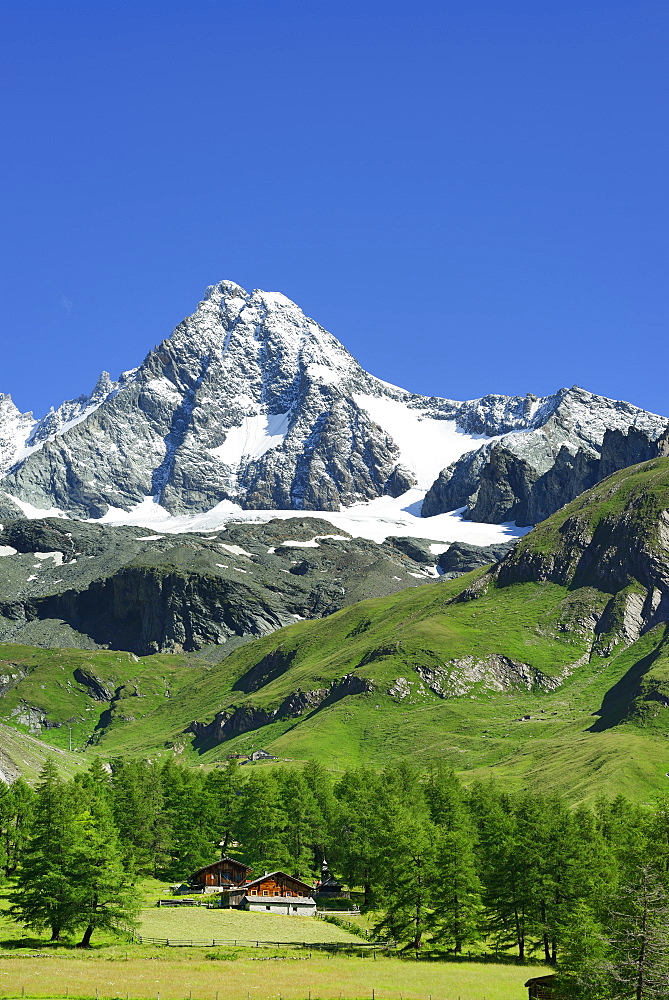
(102,888)
(43,897)
(17,802)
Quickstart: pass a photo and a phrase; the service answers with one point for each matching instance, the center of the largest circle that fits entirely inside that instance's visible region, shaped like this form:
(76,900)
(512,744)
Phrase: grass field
(291,977)
(201,924)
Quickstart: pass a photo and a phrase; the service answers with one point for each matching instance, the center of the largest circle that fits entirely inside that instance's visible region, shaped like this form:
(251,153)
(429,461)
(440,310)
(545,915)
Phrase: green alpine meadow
(547,670)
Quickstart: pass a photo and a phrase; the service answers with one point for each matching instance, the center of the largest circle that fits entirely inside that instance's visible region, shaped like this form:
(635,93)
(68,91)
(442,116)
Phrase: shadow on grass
(618,700)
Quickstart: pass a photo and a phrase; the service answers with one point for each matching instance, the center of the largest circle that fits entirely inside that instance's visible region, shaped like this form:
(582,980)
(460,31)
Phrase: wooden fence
(367,946)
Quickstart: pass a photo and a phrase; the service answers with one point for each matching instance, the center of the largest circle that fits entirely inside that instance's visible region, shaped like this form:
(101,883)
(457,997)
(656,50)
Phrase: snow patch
(36,513)
(165,389)
(7,550)
(235,550)
(256,435)
(143,515)
(56,556)
(313,543)
(374,519)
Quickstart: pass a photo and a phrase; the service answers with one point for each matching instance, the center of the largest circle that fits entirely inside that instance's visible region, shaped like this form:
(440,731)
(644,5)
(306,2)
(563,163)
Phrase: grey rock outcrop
(490,673)
(462,558)
(245,718)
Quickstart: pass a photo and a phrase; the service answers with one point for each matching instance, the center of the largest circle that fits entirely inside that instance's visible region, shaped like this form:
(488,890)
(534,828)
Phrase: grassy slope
(50,685)
(22,754)
(581,738)
(202,924)
(535,623)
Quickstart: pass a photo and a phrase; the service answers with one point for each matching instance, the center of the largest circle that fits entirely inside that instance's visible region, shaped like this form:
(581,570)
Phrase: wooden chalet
(541,988)
(274,892)
(219,875)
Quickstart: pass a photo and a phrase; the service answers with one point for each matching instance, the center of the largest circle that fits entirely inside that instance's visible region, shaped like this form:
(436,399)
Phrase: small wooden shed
(541,988)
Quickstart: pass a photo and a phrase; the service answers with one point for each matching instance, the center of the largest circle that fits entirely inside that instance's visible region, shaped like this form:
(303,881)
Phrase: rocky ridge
(69,583)
(252,403)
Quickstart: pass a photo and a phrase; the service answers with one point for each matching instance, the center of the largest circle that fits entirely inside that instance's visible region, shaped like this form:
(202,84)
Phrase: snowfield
(375,520)
(427,445)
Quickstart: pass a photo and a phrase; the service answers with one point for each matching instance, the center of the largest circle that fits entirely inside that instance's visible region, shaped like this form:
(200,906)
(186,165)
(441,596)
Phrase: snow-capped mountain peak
(251,402)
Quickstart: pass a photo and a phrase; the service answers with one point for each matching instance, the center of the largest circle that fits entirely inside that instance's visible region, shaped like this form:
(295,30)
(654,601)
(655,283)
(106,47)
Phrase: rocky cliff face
(71,584)
(252,402)
(573,443)
(614,538)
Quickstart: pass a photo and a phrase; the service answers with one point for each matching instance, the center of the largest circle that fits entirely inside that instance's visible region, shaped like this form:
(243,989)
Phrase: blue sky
(471,196)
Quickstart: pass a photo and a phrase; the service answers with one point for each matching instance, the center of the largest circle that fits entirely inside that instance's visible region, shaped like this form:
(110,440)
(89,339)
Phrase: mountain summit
(252,402)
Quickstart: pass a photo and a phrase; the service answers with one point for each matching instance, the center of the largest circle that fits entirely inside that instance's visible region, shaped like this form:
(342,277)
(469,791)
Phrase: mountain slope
(88,585)
(250,402)
(560,648)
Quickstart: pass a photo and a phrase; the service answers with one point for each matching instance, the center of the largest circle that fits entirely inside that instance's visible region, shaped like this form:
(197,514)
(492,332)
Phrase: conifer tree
(360,796)
(457,905)
(302,811)
(139,813)
(638,936)
(319,781)
(507,868)
(221,795)
(17,802)
(583,967)
(102,887)
(262,823)
(43,897)
(192,843)
(406,879)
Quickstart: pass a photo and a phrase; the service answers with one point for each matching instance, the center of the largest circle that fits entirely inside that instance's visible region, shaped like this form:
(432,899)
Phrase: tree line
(585,888)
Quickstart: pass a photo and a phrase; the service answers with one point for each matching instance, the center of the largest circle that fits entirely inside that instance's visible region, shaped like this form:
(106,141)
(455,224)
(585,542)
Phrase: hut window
(265,892)
(288,892)
(267,907)
(294,909)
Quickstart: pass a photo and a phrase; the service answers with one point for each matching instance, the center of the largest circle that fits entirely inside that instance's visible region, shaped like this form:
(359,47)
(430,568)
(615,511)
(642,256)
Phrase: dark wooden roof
(273,875)
(224,862)
(547,980)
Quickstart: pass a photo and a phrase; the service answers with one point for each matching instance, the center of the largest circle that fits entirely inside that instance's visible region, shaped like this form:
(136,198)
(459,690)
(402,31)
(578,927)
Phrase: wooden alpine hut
(273,892)
(219,875)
